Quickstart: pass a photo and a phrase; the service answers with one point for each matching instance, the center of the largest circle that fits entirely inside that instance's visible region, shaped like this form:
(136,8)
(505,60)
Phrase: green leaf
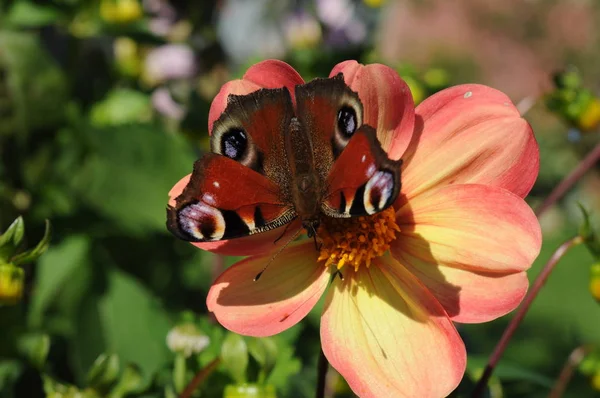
(131,382)
(121,106)
(10,370)
(34,347)
(35,88)
(53,271)
(286,366)
(33,254)
(126,320)
(129,172)
(11,238)
(234,354)
(589,235)
(24,13)
(264,351)
(104,372)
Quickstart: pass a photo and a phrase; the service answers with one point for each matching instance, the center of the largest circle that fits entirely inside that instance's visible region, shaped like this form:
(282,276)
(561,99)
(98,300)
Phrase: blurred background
(103,107)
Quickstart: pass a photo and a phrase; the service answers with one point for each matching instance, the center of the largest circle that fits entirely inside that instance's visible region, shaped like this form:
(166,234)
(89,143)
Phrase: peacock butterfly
(272,162)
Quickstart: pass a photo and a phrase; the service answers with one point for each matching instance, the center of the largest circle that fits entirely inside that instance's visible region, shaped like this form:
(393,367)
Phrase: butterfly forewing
(319,106)
(260,120)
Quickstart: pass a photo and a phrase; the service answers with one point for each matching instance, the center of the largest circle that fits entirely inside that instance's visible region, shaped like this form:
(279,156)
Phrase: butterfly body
(273,161)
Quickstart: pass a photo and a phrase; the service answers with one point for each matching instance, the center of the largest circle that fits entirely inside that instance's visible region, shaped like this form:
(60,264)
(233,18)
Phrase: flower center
(357,240)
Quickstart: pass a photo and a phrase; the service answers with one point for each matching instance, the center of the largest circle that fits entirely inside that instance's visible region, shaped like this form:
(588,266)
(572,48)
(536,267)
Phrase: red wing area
(225,199)
(363,180)
(264,116)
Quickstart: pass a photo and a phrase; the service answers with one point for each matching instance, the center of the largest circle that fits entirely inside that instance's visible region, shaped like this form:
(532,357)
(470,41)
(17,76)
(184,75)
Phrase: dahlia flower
(455,246)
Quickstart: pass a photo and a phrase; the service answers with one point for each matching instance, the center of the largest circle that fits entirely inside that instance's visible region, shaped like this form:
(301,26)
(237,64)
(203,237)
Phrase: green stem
(575,358)
(539,282)
(199,378)
(322,367)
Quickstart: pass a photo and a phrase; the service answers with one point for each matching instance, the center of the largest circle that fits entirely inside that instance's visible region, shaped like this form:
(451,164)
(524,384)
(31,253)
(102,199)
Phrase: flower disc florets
(356,241)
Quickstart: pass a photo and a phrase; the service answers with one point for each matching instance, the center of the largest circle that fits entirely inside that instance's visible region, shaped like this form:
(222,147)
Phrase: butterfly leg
(311,230)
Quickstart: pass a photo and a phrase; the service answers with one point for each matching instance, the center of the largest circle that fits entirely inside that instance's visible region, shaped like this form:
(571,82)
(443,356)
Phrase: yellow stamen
(357,240)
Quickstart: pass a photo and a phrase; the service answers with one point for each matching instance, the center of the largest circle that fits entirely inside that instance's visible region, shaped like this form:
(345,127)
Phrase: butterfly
(272,162)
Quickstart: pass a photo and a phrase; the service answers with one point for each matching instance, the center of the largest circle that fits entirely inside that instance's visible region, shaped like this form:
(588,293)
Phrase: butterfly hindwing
(363,180)
(225,199)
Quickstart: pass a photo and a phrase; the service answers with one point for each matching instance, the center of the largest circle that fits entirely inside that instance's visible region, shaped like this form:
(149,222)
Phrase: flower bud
(596,381)
(249,391)
(120,11)
(11,284)
(595,281)
(187,339)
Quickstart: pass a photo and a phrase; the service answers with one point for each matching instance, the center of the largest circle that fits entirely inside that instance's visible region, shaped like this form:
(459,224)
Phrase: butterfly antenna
(283,233)
(257,277)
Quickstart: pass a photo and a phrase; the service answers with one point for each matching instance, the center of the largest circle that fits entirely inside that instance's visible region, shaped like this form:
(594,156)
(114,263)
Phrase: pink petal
(387,101)
(273,73)
(388,336)
(280,298)
(261,243)
(266,74)
(470,134)
(469,296)
(469,244)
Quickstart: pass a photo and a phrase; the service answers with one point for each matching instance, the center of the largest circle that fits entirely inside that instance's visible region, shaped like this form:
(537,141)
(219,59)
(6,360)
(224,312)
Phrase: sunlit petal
(389,337)
(469,245)
(470,134)
(280,298)
(387,101)
(469,296)
(470,226)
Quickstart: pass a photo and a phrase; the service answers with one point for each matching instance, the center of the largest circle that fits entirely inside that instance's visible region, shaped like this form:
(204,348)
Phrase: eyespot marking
(347,121)
(201,222)
(378,191)
(234,143)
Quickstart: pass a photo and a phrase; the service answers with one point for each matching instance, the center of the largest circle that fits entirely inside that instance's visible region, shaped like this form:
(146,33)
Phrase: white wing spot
(381,185)
(468,94)
(216,184)
(364,157)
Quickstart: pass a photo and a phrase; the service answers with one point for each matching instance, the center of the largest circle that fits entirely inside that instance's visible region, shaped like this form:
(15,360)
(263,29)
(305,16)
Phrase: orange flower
(454,247)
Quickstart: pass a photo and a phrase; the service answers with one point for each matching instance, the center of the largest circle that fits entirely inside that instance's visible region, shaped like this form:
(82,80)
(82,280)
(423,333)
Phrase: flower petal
(274,73)
(261,243)
(387,101)
(470,226)
(469,244)
(266,74)
(389,337)
(470,134)
(284,294)
(469,296)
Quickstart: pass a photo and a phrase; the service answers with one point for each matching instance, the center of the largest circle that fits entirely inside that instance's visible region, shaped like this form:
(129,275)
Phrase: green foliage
(234,354)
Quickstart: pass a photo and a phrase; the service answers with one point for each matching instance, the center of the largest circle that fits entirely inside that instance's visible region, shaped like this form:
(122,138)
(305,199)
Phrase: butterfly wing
(242,187)
(252,129)
(225,199)
(330,112)
(363,180)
